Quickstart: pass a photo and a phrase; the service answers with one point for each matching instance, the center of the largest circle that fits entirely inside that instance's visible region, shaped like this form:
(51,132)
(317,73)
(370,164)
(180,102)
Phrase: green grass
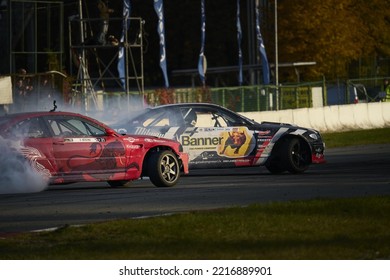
(358,137)
(355,228)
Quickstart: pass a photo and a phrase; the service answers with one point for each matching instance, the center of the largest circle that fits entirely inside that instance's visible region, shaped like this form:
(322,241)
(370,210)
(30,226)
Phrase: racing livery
(215,137)
(66,147)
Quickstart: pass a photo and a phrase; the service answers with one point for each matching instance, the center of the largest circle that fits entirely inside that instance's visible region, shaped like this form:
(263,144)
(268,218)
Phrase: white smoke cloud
(18,174)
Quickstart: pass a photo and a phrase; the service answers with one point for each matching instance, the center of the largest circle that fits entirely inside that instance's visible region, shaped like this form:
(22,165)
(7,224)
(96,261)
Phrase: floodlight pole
(82,57)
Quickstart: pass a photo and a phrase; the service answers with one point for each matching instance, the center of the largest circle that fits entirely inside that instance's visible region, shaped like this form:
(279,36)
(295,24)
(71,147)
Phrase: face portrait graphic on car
(236,143)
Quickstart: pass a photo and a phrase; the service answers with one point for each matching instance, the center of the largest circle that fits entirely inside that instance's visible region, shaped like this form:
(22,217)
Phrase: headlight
(313,136)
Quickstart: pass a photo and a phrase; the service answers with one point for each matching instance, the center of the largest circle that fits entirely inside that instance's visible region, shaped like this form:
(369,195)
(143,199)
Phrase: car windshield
(152,118)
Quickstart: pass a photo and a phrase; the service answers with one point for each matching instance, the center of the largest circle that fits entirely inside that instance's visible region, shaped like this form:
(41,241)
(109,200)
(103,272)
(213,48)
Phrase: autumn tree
(333,33)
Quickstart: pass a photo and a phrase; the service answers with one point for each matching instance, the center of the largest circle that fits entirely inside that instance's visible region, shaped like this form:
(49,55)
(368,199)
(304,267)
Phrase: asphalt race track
(349,172)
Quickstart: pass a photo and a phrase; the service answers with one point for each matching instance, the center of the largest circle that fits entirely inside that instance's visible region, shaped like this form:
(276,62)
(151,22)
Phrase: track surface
(349,172)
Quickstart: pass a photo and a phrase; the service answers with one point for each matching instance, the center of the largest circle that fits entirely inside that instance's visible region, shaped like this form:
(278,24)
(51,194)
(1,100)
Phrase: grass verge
(355,228)
(358,137)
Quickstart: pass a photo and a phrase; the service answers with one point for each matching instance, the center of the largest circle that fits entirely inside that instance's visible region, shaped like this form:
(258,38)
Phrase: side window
(159,118)
(78,127)
(93,129)
(31,128)
(67,126)
(190,117)
(215,119)
(201,117)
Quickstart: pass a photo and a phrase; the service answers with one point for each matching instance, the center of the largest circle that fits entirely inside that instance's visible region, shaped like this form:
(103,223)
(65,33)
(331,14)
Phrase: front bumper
(184,157)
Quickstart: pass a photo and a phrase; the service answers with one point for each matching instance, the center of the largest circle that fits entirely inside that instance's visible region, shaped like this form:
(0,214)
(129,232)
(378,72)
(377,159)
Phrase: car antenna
(54,106)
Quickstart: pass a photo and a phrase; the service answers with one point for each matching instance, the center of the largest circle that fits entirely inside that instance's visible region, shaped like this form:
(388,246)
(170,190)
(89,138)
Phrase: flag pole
(276,56)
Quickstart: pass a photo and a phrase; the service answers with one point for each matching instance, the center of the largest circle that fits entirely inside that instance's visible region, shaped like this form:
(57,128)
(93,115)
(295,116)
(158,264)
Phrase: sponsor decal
(234,140)
(207,129)
(264,139)
(83,140)
(159,140)
(147,131)
(227,142)
(298,132)
(238,142)
(130,139)
(133,147)
(170,134)
(264,132)
(187,140)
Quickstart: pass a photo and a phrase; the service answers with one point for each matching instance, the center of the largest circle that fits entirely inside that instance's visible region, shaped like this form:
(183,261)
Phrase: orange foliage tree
(333,33)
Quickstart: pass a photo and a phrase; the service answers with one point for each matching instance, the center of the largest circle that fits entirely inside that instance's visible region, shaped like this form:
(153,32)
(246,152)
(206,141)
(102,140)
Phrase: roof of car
(189,104)
(41,113)
(46,113)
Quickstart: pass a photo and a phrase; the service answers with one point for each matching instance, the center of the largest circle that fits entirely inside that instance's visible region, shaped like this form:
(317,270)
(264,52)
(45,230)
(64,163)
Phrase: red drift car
(67,147)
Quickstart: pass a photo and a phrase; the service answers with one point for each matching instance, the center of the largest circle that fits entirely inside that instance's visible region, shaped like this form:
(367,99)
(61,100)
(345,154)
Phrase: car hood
(280,125)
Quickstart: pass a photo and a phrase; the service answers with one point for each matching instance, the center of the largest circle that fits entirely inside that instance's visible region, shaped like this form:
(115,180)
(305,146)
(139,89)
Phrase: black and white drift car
(215,137)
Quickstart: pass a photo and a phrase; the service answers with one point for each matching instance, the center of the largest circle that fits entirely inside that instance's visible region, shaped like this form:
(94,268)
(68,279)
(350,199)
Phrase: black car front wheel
(163,169)
(295,155)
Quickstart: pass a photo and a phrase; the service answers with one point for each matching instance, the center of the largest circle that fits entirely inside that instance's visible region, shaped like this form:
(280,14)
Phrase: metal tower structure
(95,64)
(34,30)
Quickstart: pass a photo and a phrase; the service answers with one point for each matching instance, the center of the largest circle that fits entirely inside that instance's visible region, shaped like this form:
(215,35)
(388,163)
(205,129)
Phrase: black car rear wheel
(164,169)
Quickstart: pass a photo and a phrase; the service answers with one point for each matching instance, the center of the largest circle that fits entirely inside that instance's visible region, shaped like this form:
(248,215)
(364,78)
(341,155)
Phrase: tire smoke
(17,172)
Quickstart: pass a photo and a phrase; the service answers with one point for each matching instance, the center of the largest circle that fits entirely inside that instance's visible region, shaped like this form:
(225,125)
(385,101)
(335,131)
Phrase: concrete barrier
(5,90)
(331,118)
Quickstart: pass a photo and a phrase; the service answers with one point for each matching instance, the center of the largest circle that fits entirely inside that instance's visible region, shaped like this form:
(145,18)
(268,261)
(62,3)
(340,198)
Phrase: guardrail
(335,118)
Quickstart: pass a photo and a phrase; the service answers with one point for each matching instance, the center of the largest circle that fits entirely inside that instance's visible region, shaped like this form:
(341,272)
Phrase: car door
(84,151)
(33,140)
(213,139)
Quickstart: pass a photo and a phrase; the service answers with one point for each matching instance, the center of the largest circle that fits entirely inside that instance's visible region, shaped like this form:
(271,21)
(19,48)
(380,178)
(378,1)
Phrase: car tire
(163,169)
(274,164)
(295,156)
(120,183)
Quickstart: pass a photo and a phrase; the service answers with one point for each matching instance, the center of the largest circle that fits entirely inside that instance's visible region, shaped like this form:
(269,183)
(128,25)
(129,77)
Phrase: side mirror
(110,132)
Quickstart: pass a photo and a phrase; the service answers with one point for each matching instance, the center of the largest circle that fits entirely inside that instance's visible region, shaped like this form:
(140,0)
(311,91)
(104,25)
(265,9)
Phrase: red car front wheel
(164,169)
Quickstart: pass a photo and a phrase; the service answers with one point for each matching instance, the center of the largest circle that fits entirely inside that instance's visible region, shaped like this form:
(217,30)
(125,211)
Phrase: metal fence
(245,98)
(55,85)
